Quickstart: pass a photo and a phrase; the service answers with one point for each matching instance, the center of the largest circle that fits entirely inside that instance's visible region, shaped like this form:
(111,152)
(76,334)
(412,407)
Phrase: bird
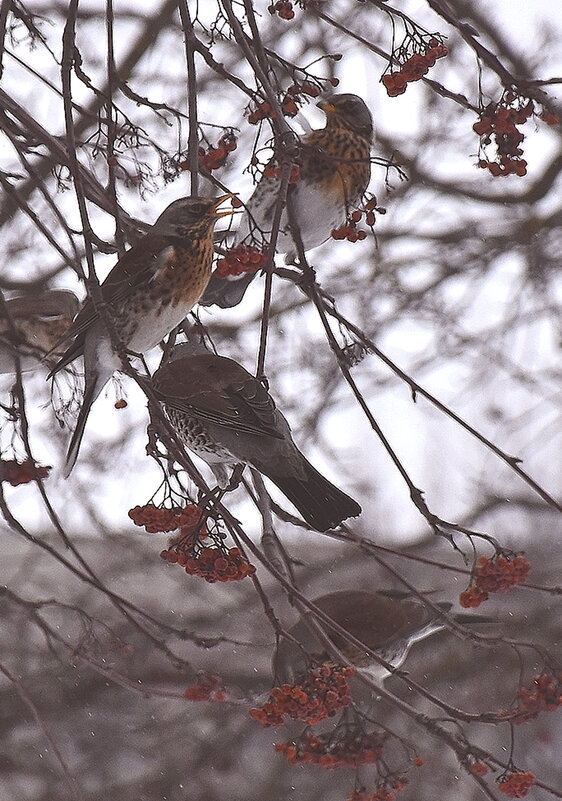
(225,415)
(31,325)
(385,622)
(147,293)
(335,170)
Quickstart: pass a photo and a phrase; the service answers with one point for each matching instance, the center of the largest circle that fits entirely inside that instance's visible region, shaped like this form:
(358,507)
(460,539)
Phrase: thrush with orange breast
(148,292)
(335,169)
(226,416)
(387,625)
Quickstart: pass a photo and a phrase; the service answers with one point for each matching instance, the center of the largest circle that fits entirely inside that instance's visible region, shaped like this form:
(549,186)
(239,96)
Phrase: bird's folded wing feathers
(116,287)
(242,405)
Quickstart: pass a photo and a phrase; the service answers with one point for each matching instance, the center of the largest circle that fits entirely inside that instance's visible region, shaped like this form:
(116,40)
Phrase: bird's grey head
(351,110)
(188,215)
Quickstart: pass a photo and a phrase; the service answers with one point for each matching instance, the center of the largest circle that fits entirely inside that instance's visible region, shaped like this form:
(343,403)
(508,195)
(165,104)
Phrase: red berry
(310,89)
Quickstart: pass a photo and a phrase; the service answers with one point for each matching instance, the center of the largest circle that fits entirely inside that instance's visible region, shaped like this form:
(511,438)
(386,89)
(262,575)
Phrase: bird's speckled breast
(196,437)
(165,302)
(339,161)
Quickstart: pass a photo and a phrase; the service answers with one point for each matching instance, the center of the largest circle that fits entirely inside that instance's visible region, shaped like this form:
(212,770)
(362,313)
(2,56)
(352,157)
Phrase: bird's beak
(326,106)
(218,202)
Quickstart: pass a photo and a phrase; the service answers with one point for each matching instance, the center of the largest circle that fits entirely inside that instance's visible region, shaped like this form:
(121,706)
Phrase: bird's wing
(120,282)
(219,391)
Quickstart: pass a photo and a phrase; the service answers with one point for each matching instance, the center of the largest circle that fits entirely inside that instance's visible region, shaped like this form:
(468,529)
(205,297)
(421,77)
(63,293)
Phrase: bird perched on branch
(225,415)
(335,169)
(147,294)
(38,322)
(387,625)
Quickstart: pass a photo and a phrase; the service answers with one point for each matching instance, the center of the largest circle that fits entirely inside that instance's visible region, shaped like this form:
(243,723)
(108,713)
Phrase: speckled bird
(387,625)
(335,169)
(148,292)
(226,416)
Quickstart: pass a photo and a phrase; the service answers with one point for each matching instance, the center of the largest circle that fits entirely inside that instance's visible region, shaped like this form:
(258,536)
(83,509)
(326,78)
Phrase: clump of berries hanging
(294,97)
(203,553)
(160,519)
(497,128)
(346,747)
(200,551)
(544,694)
(350,231)
(212,158)
(212,563)
(412,60)
(322,691)
(262,111)
(283,9)
(16,473)
(516,784)
(498,574)
(240,259)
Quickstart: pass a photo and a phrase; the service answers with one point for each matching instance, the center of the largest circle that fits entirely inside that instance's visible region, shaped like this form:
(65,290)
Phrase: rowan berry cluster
(341,749)
(473,597)
(323,690)
(190,548)
(350,231)
(207,688)
(156,519)
(498,574)
(414,66)
(498,126)
(283,9)
(214,157)
(220,564)
(543,695)
(262,111)
(240,259)
(294,96)
(16,473)
(517,784)
(212,563)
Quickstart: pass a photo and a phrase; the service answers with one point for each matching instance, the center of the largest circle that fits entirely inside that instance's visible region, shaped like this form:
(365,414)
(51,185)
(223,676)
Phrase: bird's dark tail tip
(78,433)
(321,504)
(226,292)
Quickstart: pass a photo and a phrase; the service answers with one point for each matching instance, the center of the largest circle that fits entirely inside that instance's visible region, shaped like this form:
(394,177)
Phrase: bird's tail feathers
(226,292)
(321,504)
(91,392)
